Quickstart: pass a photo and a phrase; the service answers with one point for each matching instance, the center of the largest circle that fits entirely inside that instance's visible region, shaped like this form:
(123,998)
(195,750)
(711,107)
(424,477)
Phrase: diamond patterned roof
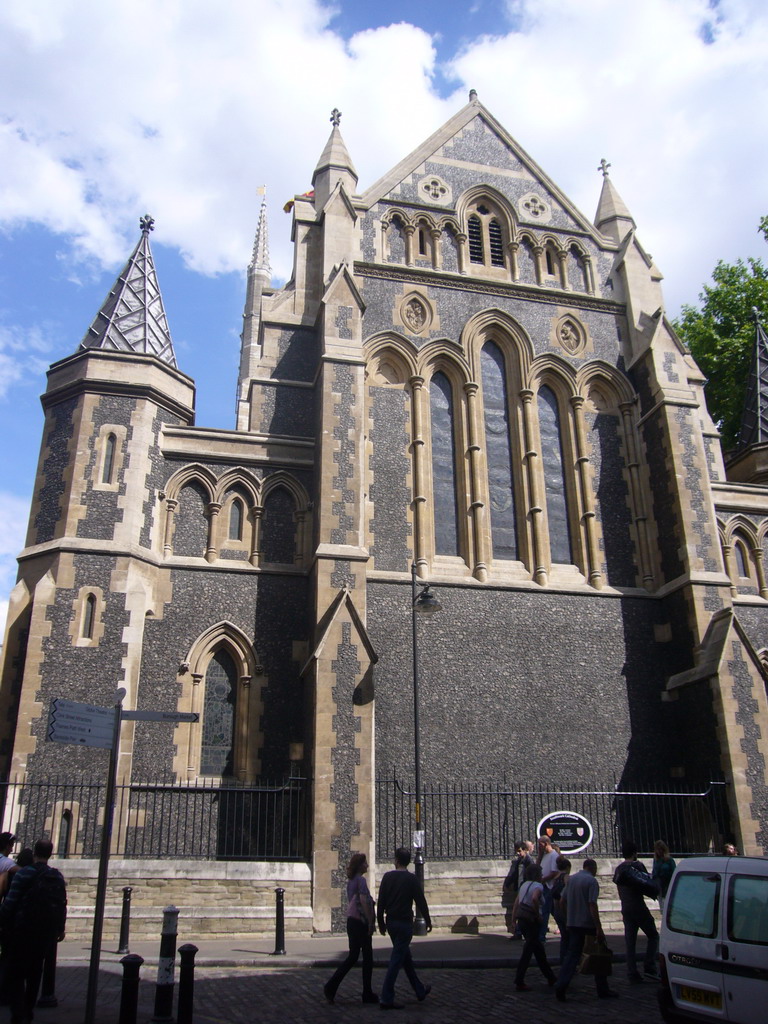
(132,318)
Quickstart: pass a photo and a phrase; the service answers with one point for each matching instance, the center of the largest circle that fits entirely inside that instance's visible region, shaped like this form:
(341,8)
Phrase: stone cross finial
(335,117)
(604,165)
(147,224)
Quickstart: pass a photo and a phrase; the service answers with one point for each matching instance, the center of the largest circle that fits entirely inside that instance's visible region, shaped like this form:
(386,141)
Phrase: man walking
(549,874)
(398,891)
(34,912)
(583,919)
(634,883)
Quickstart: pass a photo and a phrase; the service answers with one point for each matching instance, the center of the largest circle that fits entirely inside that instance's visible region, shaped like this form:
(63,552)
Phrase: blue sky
(113,108)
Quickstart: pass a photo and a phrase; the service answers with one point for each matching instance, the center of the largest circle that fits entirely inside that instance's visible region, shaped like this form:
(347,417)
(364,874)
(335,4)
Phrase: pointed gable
(132,318)
(448,162)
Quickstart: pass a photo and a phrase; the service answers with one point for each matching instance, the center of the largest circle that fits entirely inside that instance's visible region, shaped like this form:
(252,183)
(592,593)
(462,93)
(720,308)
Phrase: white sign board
(81,724)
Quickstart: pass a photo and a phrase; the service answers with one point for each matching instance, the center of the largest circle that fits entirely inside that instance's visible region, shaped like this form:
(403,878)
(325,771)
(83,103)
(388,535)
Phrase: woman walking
(360,925)
(663,868)
(527,912)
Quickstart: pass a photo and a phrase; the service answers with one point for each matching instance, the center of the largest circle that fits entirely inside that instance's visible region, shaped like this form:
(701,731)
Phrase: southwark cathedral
(469,391)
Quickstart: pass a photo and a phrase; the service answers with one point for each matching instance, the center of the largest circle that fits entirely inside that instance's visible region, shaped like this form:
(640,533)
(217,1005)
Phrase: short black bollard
(186,983)
(48,989)
(279,949)
(125,920)
(165,966)
(129,991)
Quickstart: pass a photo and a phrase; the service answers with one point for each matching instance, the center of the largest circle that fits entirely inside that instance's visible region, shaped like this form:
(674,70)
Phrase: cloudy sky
(182,108)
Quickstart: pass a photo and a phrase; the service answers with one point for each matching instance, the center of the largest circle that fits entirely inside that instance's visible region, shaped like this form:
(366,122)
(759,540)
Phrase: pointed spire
(260,257)
(335,163)
(612,218)
(754,420)
(132,318)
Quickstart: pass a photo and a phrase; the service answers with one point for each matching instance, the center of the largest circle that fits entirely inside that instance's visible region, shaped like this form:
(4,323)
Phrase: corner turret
(132,317)
(259,278)
(334,166)
(612,219)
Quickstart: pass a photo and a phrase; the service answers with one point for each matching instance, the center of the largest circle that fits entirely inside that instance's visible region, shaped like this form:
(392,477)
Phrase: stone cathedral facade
(464,374)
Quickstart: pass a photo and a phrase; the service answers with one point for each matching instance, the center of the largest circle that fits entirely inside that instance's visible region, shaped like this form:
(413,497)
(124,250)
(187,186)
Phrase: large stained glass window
(497,446)
(554,478)
(217,753)
(443,467)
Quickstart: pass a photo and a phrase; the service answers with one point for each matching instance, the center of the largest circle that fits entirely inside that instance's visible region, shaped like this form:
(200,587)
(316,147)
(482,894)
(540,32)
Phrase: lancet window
(501,487)
(443,466)
(555,486)
(218,720)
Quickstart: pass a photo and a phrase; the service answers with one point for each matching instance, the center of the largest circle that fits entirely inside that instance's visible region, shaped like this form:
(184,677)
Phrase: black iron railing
(204,820)
(474,821)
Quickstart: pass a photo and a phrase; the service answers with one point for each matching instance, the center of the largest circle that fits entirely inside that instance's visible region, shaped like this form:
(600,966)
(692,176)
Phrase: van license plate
(713,1000)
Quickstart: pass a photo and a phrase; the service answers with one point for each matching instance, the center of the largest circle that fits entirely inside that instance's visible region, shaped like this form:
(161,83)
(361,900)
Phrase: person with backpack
(32,917)
(634,884)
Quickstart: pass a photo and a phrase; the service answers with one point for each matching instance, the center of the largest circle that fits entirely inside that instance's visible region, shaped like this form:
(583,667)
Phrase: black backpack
(43,906)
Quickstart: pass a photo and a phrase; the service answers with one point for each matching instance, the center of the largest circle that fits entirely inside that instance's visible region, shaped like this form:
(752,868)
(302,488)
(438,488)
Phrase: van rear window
(748,910)
(693,903)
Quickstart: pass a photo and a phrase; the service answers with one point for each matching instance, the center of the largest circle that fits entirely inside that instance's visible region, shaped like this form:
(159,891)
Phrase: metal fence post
(125,920)
(279,949)
(186,983)
(129,990)
(165,966)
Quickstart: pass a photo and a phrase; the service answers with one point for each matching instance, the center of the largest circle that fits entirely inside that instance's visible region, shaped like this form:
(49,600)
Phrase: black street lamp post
(423,602)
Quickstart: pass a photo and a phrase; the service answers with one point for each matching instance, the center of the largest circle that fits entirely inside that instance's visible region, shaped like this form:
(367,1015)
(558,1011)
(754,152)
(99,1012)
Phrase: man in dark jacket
(33,915)
(634,883)
(398,891)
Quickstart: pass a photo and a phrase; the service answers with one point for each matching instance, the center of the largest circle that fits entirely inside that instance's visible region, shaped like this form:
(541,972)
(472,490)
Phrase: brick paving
(293,995)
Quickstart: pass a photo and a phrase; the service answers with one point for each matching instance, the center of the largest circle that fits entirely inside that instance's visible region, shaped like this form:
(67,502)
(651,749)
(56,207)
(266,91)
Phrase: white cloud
(113,108)
(23,354)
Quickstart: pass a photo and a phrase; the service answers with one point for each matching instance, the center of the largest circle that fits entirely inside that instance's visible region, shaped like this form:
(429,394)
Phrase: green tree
(720,334)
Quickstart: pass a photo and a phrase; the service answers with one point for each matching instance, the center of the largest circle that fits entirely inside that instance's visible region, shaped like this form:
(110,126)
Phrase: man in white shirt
(583,918)
(549,873)
(7,864)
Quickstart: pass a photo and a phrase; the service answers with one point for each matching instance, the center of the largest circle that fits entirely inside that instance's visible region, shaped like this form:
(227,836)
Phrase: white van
(713,947)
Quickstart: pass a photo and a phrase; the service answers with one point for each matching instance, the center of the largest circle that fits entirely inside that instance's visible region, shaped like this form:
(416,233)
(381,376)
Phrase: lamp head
(426,603)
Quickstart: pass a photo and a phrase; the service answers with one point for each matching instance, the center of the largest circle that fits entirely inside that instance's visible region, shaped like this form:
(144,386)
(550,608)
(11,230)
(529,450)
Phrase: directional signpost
(81,724)
(86,725)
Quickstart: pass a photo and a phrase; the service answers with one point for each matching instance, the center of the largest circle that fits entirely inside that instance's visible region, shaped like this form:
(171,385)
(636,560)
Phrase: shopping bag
(596,958)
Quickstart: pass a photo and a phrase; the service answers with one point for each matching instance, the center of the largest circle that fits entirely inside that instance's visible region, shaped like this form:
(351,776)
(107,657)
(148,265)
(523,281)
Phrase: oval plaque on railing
(569,831)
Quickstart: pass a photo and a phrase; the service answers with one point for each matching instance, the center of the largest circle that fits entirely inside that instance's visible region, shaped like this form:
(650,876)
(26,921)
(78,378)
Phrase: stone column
(419,469)
(477,507)
(587,511)
(212,551)
(539,539)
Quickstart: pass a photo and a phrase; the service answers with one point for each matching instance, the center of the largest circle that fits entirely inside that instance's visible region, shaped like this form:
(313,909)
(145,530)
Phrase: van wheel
(667,1008)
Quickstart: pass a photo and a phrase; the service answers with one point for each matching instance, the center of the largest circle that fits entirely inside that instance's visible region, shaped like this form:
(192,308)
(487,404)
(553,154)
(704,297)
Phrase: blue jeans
(576,937)
(545,910)
(640,919)
(401,933)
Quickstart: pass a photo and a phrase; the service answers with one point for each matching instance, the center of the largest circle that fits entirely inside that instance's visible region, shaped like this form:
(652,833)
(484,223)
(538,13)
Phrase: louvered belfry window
(496,243)
(475,236)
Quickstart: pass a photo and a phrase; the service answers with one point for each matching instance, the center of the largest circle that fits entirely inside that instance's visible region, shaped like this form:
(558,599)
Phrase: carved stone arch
(389,359)
(478,193)
(277,546)
(238,477)
(394,214)
(550,370)
(247,736)
(739,526)
(512,339)
(449,223)
(613,384)
(186,475)
(447,356)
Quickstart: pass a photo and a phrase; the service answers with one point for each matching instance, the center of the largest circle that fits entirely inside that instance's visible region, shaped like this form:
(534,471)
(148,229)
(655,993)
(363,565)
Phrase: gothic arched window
(485,236)
(443,466)
(554,477)
(219,706)
(497,444)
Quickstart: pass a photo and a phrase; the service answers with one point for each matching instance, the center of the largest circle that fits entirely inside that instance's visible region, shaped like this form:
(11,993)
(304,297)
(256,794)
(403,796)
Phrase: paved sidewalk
(262,989)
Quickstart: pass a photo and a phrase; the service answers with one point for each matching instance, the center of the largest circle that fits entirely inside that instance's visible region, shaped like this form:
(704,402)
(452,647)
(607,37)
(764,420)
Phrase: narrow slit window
(422,242)
(65,835)
(89,616)
(236,520)
(550,263)
(110,446)
(739,551)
